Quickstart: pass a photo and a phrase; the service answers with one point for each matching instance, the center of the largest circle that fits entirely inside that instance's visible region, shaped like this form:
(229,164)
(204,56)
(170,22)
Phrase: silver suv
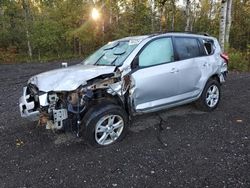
(98,97)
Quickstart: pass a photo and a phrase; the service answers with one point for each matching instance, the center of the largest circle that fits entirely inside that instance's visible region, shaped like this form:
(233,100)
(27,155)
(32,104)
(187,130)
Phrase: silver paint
(68,79)
(26,107)
(43,99)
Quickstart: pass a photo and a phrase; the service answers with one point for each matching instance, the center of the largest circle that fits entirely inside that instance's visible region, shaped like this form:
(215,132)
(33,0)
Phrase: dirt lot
(194,149)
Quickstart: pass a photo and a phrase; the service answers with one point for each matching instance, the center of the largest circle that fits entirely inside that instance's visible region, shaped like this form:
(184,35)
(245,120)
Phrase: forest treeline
(43,30)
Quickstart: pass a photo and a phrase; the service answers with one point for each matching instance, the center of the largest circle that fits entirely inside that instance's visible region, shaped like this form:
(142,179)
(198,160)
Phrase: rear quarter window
(209,46)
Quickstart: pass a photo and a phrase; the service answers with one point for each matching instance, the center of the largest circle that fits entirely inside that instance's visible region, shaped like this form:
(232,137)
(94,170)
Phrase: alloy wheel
(212,96)
(108,129)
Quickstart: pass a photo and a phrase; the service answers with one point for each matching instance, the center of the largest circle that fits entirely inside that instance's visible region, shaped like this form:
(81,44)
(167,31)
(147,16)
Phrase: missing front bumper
(27,108)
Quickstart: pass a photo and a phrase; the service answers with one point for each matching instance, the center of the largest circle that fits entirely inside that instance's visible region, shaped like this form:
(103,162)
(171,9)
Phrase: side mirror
(135,63)
(64,64)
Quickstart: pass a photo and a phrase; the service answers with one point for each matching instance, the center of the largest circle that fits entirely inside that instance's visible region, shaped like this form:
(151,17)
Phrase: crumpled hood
(68,79)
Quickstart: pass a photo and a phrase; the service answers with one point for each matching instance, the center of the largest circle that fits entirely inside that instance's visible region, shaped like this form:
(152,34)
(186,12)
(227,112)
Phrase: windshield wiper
(96,63)
(111,46)
(113,62)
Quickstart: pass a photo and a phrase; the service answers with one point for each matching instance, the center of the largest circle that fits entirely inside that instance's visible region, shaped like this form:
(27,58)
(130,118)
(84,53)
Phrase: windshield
(113,53)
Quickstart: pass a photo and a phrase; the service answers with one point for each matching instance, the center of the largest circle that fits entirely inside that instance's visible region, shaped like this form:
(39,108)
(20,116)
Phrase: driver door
(156,81)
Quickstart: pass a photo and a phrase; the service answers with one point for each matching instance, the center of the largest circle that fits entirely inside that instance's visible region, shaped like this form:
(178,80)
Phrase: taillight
(225,57)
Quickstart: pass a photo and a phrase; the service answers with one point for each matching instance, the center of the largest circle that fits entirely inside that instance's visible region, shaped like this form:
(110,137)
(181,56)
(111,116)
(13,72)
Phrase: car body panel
(153,84)
(26,107)
(185,84)
(70,78)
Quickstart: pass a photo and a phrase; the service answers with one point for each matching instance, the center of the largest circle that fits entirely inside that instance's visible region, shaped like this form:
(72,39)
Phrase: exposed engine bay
(64,110)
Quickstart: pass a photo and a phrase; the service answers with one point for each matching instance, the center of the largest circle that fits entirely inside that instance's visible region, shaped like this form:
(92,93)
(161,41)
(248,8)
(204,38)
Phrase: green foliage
(8,55)
(240,30)
(239,61)
(11,25)
(56,29)
(135,21)
(47,37)
(207,18)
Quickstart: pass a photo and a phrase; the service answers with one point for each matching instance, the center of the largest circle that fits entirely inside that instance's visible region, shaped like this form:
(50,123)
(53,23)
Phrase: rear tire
(105,124)
(210,96)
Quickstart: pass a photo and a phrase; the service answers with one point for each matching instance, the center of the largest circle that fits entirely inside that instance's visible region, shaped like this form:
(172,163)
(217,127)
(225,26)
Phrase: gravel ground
(190,148)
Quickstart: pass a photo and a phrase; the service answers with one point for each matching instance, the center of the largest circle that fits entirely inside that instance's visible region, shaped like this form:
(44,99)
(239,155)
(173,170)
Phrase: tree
(225,22)
(240,35)
(173,6)
(228,21)
(57,29)
(188,15)
(152,6)
(27,15)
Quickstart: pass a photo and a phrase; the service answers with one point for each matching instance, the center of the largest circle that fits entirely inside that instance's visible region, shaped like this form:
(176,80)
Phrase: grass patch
(238,60)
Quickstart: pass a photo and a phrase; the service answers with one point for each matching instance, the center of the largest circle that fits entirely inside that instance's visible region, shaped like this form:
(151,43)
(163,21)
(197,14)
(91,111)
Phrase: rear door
(189,66)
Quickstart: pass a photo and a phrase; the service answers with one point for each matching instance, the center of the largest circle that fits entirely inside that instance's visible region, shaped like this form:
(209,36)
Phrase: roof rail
(187,32)
(190,32)
(204,33)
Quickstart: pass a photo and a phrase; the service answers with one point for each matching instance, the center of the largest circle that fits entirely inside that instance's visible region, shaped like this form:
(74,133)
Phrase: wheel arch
(102,95)
(212,77)
(200,102)
(215,77)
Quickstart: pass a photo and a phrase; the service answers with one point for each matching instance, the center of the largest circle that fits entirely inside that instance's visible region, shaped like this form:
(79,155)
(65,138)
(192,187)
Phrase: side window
(187,48)
(209,46)
(157,52)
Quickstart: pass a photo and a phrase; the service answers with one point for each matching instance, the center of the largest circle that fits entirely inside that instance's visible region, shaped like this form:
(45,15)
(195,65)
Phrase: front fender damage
(65,109)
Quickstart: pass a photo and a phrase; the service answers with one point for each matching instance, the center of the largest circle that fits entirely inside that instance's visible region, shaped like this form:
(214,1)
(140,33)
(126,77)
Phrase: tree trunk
(28,43)
(192,24)
(188,7)
(2,15)
(210,14)
(161,14)
(166,14)
(26,17)
(152,3)
(103,21)
(39,55)
(223,17)
(110,16)
(162,4)
(211,10)
(173,15)
(79,48)
(110,13)
(74,45)
(228,22)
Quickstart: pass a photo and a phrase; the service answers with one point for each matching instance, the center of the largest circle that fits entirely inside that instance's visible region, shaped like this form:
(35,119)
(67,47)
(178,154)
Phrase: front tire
(210,96)
(105,124)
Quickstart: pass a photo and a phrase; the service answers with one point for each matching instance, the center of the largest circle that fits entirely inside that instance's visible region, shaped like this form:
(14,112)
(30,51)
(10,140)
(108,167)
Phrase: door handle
(174,70)
(205,64)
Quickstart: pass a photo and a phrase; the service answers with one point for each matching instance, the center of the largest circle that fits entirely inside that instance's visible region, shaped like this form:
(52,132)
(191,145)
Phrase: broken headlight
(33,91)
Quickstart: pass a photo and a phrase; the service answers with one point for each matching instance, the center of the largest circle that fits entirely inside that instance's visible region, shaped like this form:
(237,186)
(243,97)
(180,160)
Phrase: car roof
(181,34)
(184,34)
(139,37)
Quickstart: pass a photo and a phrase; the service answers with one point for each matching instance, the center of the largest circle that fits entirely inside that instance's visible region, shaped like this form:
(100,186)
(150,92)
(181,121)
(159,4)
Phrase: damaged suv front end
(59,99)
(52,107)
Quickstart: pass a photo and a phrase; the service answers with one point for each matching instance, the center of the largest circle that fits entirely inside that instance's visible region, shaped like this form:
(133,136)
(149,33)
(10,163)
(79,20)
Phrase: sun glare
(95,14)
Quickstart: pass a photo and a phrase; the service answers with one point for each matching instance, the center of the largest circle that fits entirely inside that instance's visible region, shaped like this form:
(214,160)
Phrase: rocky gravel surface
(189,148)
